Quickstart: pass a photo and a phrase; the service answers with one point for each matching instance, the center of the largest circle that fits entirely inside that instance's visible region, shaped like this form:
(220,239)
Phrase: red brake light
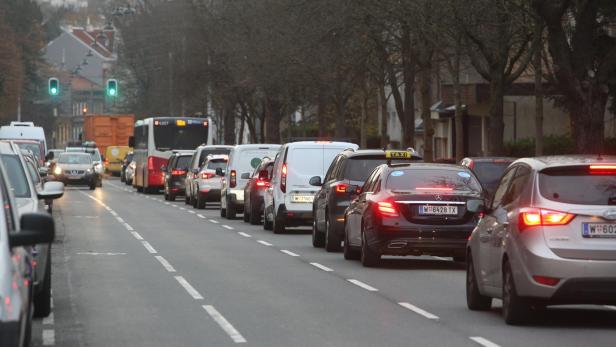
(283,178)
(602,169)
(438,189)
(548,281)
(207,175)
(233,179)
(341,188)
(541,217)
(386,209)
(178,172)
(261,183)
(471,164)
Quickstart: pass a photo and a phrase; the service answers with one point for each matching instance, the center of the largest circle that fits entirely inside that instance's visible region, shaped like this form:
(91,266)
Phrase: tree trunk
(496,125)
(382,104)
(588,122)
(363,141)
(321,108)
(408,74)
(426,103)
(459,113)
(537,63)
(340,131)
(273,117)
(229,126)
(240,137)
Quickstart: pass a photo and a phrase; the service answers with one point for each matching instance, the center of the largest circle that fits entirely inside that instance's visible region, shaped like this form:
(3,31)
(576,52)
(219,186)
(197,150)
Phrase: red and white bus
(156,139)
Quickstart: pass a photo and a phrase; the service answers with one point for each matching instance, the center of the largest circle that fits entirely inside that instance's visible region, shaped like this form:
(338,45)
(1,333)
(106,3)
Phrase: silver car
(206,184)
(547,238)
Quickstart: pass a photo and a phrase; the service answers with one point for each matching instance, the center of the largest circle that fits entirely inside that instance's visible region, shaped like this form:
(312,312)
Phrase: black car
(411,209)
(254,190)
(488,170)
(175,174)
(125,162)
(348,168)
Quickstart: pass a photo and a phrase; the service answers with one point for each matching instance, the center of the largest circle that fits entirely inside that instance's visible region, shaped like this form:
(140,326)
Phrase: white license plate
(599,230)
(302,198)
(436,210)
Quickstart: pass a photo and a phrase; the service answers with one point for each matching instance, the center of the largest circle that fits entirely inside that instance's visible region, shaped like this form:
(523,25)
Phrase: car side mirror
(245,176)
(36,228)
(353,189)
(51,190)
(476,205)
(43,171)
(315,181)
(219,172)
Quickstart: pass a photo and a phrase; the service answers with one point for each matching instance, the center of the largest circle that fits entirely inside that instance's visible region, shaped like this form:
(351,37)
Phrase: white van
(24,131)
(243,159)
(288,200)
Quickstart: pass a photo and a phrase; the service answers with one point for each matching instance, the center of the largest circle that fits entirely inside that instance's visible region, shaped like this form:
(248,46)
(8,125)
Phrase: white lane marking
(610,307)
(418,310)
(49,337)
(200,216)
(51,302)
(484,342)
(224,324)
(48,320)
(244,234)
(113,213)
(289,253)
(264,243)
(322,267)
(190,289)
(441,258)
(193,212)
(128,227)
(214,221)
(182,208)
(149,247)
(363,285)
(165,263)
(107,208)
(166,203)
(119,219)
(227,227)
(100,253)
(136,235)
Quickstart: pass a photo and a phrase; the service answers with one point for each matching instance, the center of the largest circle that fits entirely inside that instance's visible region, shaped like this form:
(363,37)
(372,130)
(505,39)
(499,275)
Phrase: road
(133,270)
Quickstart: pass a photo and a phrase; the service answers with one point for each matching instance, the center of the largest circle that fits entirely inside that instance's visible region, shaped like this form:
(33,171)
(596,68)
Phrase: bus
(155,139)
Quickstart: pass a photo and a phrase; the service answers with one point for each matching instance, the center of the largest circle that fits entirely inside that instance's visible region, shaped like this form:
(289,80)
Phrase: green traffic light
(54,91)
(112,92)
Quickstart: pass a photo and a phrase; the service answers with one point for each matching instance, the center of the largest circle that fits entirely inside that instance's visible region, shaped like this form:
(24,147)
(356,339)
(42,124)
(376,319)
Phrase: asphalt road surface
(130,269)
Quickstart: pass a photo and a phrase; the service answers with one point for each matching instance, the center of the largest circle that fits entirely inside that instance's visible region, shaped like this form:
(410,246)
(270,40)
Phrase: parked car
(175,174)
(288,200)
(243,159)
(125,162)
(411,209)
(17,236)
(130,172)
(350,167)
(255,189)
(76,168)
(197,162)
(548,237)
(30,195)
(488,170)
(113,159)
(207,183)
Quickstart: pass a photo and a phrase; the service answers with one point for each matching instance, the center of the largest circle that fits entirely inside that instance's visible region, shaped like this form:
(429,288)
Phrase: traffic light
(54,86)
(112,88)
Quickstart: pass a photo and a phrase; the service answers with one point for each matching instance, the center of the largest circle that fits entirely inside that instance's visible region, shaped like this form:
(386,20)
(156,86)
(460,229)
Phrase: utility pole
(171,84)
(19,108)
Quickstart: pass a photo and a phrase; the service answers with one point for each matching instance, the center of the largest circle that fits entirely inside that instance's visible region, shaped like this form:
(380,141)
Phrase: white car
(208,181)
(288,200)
(196,163)
(243,160)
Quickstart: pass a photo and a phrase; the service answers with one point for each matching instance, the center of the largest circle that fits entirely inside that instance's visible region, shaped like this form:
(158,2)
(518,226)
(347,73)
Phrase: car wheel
(318,239)
(223,212)
(194,201)
(92,186)
(230,210)
(166,196)
(474,299)
(42,300)
(349,252)
(246,216)
(516,310)
(200,202)
(187,198)
(279,225)
(255,215)
(332,241)
(368,257)
(171,197)
(267,224)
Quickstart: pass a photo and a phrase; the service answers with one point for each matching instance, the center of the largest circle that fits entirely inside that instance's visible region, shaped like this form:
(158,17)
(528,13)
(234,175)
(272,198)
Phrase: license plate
(438,210)
(599,230)
(302,198)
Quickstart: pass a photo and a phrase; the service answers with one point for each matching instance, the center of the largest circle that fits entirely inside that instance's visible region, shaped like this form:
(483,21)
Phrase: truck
(108,129)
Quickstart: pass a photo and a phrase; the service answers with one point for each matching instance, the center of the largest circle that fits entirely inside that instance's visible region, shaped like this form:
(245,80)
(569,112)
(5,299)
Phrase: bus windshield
(168,135)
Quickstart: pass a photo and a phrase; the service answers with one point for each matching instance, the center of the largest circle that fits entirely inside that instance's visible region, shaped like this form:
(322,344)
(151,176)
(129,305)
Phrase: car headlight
(57,170)
(89,171)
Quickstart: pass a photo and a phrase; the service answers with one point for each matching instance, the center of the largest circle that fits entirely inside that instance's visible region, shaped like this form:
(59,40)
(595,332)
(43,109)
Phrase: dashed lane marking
(483,341)
(48,320)
(363,285)
(49,337)
(128,227)
(193,212)
(149,247)
(136,235)
(165,263)
(200,216)
(244,234)
(289,253)
(322,267)
(214,221)
(119,219)
(418,310)
(227,227)
(190,289)
(224,324)
(264,243)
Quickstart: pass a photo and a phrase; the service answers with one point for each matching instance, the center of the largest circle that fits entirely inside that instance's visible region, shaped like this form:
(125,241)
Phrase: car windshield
(32,147)
(73,158)
(359,168)
(206,152)
(576,185)
(216,164)
(490,172)
(96,155)
(16,175)
(432,179)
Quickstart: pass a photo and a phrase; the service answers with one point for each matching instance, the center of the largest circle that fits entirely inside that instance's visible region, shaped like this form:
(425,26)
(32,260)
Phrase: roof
(540,163)
(427,166)
(99,41)
(482,159)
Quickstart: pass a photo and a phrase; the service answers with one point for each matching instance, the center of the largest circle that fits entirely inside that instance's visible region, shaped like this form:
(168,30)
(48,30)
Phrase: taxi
(411,209)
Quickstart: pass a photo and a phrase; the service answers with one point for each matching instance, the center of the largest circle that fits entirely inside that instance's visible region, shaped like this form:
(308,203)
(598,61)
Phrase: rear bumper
(212,195)
(80,181)
(450,241)
(294,218)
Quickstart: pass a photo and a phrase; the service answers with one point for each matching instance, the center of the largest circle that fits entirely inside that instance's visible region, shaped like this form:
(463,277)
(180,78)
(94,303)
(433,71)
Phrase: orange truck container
(108,129)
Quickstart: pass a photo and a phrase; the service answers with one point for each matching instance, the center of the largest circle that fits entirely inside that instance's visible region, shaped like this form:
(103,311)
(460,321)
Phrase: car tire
(318,239)
(42,299)
(194,201)
(92,186)
(187,199)
(246,215)
(171,197)
(166,196)
(475,301)
(231,213)
(223,212)
(267,225)
(255,215)
(332,241)
(200,204)
(349,252)
(368,257)
(279,225)
(516,310)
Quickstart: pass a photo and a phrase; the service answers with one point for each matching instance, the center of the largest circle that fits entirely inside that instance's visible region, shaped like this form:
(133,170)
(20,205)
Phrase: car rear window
(217,164)
(489,172)
(206,152)
(576,185)
(359,168)
(183,161)
(432,179)
(16,176)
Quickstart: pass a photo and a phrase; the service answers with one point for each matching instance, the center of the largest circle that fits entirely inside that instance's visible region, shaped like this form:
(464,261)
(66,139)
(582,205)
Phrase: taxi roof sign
(398,154)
